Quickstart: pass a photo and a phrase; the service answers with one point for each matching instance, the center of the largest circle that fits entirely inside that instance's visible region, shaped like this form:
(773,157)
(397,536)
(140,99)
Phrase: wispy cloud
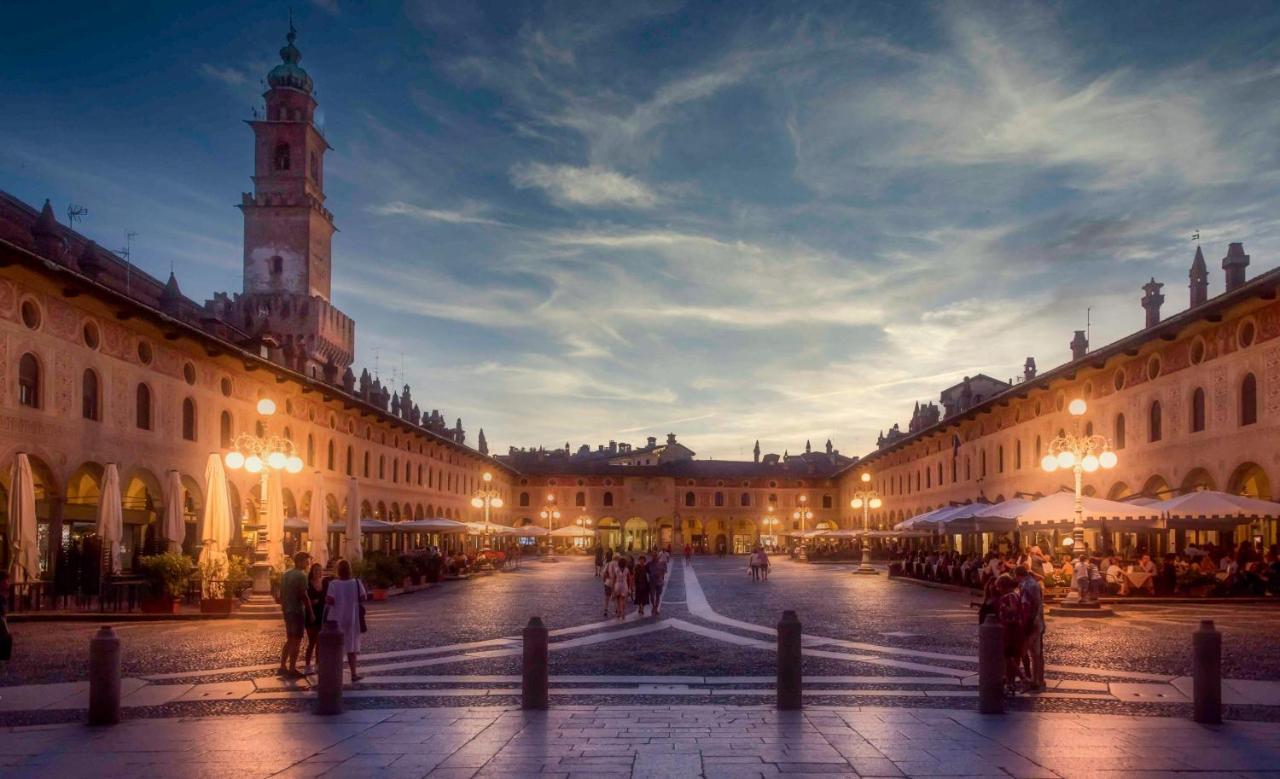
(232,77)
(471,215)
(593,186)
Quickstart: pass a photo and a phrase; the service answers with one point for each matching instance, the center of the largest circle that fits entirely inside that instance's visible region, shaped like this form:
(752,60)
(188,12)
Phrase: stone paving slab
(639,741)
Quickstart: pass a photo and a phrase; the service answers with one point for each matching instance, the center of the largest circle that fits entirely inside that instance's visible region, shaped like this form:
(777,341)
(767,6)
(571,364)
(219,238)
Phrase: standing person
(609,576)
(764,565)
(657,580)
(688,552)
(1009,612)
(1033,617)
(622,584)
(753,564)
(315,596)
(641,578)
(345,600)
(296,608)
(599,560)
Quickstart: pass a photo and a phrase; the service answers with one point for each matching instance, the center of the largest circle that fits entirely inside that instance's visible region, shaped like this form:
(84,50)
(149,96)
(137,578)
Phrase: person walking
(688,553)
(346,599)
(641,578)
(1009,612)
(657,580)
(599,561)
(609,576)
(315,596)
(764,565)
(753,564)
(622,586)
(297,610)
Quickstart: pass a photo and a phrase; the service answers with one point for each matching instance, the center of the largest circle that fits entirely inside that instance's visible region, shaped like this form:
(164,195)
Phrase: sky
(576,222)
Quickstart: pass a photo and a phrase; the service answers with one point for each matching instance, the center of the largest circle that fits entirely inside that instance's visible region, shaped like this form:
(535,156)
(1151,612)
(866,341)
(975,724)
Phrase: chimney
(671,438)
(613,447)
(1079,345)
(653,441)
(1029,369)
(1199,280)
(48,238)
(1152,300)
(1234,264)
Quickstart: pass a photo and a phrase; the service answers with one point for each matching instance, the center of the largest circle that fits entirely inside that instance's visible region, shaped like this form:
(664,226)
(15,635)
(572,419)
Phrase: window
(189,374)
(968,474)
(524,499)
(395,470)
(745,500)
(31,314)
(999,459)
(608,499)
(29,381)
(982,463)
(188,419)
(366,465)
(719,499)
(1155,431)
(1249,400)
(330,456)
(1119,436)
(350,457)
(580,499)
(826,499)
(382,466)
(224,430)
(142,412)
(277,265)
(690,499)
(1197,410)
(282,156)
(90,396)
(1017,455)
(939,474)
(311,450)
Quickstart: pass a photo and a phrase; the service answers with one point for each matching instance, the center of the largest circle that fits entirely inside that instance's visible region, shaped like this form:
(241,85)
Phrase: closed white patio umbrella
(174,530)
(24,562)
(351,538)
(110,517)
(317,524)
(275,521)
(215,520)
(1212,510)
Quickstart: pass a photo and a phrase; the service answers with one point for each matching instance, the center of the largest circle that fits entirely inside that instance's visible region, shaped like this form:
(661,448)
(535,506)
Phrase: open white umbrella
(215,520)
(490,528)
(175,525)
(351,539)
(24,563)
(433,525)
(1212,510)
(569,531)
(110,520)
(318,525)
(1058,511)
(275,521)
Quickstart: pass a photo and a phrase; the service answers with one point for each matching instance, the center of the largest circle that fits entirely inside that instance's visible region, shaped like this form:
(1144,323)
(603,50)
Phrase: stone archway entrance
(636,535)
(609,533)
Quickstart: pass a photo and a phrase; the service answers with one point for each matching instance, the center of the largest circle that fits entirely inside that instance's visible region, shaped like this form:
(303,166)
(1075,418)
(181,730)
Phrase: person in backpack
(1032,595)
(1009,613)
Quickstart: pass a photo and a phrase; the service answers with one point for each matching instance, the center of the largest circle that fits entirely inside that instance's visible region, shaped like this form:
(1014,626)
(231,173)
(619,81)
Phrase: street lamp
(487,498)
(1082,454)
(583,522)
(803,514)
(260,455)
(866,499)
(771,524)
(549,515)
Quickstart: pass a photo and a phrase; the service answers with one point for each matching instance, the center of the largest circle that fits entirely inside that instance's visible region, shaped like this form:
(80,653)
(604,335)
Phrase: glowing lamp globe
(1066,459)
(487,476)
(1049,463)
(497,503)
(1108,459)
(277,460)
(1089,463)
(1077,407)
(253,464)
(856,503)
(235,460)
(477,503)
(266,407)
(1068,541)
(876,503)
(795,515)
(866,477)
(293,464)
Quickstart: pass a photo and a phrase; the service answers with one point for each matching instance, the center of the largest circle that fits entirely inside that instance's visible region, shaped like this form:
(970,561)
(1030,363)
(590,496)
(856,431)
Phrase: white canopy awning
(838,533)
(490,528)
(1213,510)
(1058,511)
(433,525)
(569,531)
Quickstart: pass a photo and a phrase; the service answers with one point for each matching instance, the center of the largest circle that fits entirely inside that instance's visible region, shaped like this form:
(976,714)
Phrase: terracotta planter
(379,593)
(165,605)
(217,605)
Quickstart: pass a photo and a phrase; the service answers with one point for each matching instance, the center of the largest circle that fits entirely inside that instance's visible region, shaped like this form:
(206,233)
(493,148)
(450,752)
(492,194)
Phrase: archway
(744,536)
(1196,481)
(636,535)
(694,533)
(366,510)
(141,496)
(1156,487)
(664,534)
(609,531)
(290,503)
(192,504)
(1119,491)
(1249,479)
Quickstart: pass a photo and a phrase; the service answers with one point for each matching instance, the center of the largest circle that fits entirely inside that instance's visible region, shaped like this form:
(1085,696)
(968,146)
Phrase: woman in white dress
(344,599)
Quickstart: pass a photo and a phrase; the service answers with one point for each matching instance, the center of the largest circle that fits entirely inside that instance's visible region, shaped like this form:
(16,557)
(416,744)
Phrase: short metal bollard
(790,681)
(991,666)
(1206,674)
(329,669)
(536,683)
(104,677)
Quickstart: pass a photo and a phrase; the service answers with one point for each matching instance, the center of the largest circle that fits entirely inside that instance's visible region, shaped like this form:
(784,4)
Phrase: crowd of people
(308,600)
(630,578)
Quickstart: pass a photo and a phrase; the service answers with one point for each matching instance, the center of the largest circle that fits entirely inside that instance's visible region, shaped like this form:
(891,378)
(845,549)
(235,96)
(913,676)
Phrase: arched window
(311,450)
(29,381)
(719,500)
(366,465)
(142,414)
(351,454)
(1155,430)
(745,500)
(1249,400)
(690,499)
(189,419)
(939,474)
(395,470)
(954,465)
(91,396)
(580,499)
(330,456)
(524,499)
(1197,410)
(968,473)
(419,474)
(608,499)
(282,156)
(1119,436)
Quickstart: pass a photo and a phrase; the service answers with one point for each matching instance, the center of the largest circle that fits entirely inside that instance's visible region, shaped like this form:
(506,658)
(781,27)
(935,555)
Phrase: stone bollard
(329,653)
(1206,673)
(790,682)
(535,686)
(104,677)
(991,666)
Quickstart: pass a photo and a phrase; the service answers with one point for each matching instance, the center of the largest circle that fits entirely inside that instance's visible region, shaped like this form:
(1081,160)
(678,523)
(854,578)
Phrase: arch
(580,499)
(331,456)
(636,534)
(381,511)
(142,407)
(418,512)
(1157,487)
(690,499)
(1248,400)
(29,381)
(290,503)
(141,497)
(1197,410)
(188,419)
(283,159)
(524,499)
(1119,491)
(609,531)
(90,396)
(1196,480)
(366,510)
(332,509)
(1249,479)
(83,492)
(607,499)
(351,454)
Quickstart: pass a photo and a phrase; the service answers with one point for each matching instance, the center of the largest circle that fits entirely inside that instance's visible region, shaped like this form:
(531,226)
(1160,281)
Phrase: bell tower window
(277,265)
(282,156)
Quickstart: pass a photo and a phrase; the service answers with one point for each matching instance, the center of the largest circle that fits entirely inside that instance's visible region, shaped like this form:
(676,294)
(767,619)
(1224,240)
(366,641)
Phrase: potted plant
(221,582)
(168,575)
(381,573)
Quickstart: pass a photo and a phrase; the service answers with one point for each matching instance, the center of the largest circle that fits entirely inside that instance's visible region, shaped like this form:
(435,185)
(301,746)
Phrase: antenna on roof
(75,212)
(127,254)
(1088,323)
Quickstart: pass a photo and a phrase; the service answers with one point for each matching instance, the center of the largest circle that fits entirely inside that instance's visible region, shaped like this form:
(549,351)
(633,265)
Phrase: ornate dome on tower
(288,73)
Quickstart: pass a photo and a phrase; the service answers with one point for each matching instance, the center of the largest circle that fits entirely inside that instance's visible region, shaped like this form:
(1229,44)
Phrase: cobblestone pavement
(869,641)
(649,741)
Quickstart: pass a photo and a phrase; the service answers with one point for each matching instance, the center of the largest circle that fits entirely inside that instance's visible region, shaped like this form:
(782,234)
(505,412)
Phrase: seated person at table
(1167,579)
(1116,583)
(1147,565)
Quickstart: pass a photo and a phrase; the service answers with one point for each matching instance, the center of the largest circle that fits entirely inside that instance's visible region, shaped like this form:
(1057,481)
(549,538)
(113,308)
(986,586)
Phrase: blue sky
(576,222)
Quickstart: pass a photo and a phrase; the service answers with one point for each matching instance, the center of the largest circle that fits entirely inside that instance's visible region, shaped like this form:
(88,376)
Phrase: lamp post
(550,514)
(583,522)
(487,498)
(260,455)
(866,499)
(771,524)
(1081,454)
(803,514)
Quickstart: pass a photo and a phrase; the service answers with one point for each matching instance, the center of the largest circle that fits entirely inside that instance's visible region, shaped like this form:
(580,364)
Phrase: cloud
(232,77)
(328,6)
(593,186)
(467,216)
